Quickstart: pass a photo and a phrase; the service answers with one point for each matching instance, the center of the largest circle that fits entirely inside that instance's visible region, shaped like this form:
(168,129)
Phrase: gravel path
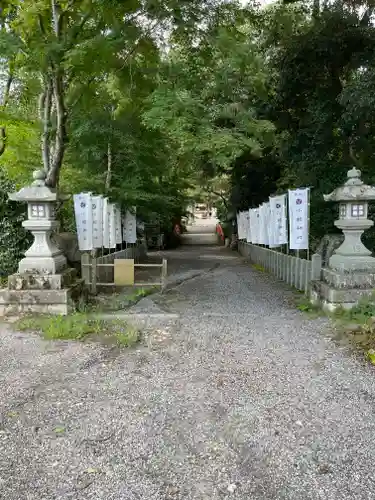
(239,396)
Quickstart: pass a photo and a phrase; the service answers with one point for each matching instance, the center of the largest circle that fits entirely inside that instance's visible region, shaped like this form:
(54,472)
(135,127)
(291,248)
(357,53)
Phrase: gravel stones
(240,397)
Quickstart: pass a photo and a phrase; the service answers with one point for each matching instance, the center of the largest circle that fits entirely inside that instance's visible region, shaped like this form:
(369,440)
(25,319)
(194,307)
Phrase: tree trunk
(3,134)
(109,168)
(3,139)
(220,195)
(61,135)
(7,89)
(57,80)
(316,9)
(45,115)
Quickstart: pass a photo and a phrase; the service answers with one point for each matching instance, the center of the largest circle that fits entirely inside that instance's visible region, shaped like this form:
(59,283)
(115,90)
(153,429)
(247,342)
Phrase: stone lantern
(43,283)
(43,256)
(350,274)
(353,198)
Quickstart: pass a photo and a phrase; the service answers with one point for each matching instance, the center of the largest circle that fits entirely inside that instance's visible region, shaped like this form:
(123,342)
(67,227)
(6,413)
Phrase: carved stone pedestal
(41,293)
(342,289)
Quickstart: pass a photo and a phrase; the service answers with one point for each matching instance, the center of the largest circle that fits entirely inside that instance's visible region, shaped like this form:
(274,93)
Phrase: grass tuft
(259,268)
(304,305)
(139,294)
(80,326)
(353,327)
(128,338)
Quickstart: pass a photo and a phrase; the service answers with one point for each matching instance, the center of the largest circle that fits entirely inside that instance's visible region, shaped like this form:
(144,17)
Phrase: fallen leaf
(91,470)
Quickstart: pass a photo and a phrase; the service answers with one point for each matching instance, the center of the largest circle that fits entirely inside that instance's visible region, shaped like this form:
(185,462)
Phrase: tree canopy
(155,102)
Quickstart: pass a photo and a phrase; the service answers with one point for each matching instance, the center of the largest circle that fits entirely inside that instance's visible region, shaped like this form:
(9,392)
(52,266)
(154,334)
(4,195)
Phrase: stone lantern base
(34,293)
(342,289)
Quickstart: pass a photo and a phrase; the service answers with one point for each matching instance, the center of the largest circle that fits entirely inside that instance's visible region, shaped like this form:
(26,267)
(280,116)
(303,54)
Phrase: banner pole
(308,223)
(287,221)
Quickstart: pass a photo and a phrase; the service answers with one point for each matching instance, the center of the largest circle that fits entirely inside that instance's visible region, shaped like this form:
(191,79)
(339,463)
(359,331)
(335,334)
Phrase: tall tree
(70,44)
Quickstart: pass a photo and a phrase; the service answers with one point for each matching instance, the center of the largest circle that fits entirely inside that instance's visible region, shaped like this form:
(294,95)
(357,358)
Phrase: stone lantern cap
(353,190)
(37,191)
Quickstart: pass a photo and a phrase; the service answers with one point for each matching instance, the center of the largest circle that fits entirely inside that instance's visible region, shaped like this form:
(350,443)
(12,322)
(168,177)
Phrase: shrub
(14,239)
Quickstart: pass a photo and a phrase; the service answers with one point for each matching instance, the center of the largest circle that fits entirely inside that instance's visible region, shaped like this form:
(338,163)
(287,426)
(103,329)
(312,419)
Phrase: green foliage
(359,314)
(13,238)
(315,129)
(80,326)
(245,103)
(305,305)
(21,155)
(77,326)
(355,327)
(205,101)
(259,268)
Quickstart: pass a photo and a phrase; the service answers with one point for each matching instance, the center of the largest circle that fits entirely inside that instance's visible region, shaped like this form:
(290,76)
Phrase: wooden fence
(295,271)
(107,271)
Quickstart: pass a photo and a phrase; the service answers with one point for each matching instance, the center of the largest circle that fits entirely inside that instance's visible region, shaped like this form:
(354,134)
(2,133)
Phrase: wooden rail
(91,277)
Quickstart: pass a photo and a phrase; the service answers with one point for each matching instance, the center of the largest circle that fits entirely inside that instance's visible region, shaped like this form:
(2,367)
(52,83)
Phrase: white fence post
(278,265)
(275,257)
(291,277)
(302,275)
(294,271)
(282,266)
(297,270)
(86,268)
(308,276)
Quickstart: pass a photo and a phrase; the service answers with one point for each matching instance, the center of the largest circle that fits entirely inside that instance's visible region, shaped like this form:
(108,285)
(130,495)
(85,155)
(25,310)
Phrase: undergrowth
(259,267)
(80,326)
(304,305)
(354,327)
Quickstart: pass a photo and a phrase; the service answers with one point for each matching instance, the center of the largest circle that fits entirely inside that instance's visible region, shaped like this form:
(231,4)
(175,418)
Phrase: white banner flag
(239,229)
(240,232)
(253,224)
(111,225)
(83,216)
(279,220)
(298,219)
(263,228)
(117,211)
(248,226)
(97,221)
(105,223)
(267,224)
(130,227)
(124,227)
(271,226)
(258,223)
